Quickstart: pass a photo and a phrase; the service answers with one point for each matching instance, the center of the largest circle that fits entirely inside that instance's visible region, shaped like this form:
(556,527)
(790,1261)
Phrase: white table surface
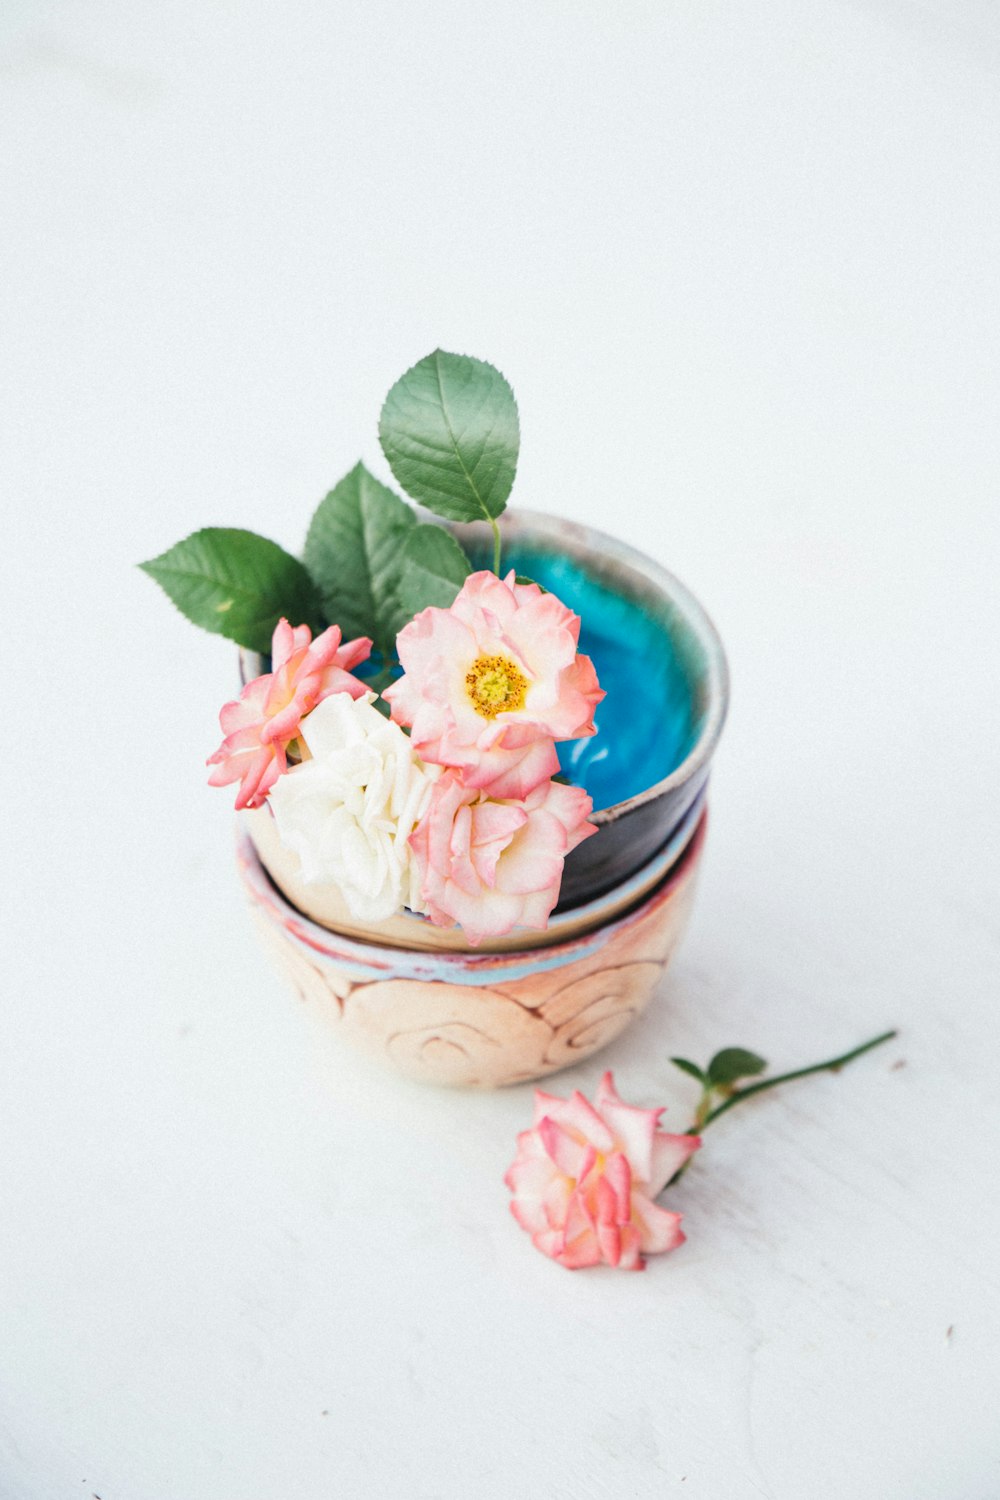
(740,263)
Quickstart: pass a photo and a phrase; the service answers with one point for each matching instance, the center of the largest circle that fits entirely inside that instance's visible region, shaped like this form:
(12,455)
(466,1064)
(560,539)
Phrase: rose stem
(770,1083)
(831,1066)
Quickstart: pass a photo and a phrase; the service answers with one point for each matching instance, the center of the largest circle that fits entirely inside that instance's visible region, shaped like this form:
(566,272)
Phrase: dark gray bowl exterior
(624,844)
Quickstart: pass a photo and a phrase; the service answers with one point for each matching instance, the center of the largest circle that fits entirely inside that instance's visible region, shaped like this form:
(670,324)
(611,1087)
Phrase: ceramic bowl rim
(717,674)
(462,966)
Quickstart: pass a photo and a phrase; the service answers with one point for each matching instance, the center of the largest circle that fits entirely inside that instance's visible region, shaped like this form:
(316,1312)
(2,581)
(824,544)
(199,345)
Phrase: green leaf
(449,429)
(433,568)
(237,584)
(733,1063)
(689,1067)
(523,578)
(353,551)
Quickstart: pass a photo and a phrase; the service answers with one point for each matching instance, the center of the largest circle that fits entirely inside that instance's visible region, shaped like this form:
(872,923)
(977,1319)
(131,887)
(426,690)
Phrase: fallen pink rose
(585,1178)
(261,724)
(491,683)
(492,864)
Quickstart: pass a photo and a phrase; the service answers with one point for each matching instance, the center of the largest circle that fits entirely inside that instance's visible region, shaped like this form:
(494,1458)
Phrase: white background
(739,262)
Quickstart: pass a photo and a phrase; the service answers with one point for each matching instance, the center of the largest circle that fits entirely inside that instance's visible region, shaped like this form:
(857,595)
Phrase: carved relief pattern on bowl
(508,1032)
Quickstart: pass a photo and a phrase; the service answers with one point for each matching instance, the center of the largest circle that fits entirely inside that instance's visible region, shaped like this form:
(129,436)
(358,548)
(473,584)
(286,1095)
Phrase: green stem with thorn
(705,1115)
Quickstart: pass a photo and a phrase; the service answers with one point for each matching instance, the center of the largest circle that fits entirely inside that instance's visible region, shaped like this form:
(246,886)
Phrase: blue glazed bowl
(663,668)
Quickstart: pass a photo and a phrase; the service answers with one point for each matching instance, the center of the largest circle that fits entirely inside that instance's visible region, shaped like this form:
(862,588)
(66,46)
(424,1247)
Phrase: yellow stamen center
(495,686)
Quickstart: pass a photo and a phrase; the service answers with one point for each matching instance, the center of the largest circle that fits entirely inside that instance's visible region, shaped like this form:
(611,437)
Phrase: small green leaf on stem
(686,1066)
(733,1063)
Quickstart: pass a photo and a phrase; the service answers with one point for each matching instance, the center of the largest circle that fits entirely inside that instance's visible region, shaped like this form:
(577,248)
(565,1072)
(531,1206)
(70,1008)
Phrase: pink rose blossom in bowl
(493,864)
(261,724)
(491,683)
(662,666)
(586,1175)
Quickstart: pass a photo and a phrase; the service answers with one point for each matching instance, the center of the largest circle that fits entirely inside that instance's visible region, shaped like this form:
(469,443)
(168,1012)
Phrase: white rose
(349,811)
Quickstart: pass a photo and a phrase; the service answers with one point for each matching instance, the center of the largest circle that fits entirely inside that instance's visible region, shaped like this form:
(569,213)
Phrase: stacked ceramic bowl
(532,1002)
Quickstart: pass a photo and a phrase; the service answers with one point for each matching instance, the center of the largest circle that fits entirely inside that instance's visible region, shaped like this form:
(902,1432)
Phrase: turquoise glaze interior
(647,662)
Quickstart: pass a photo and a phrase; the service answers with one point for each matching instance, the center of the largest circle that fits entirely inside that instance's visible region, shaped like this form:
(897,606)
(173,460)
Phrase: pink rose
(263,721)
(585,1177)
(491,864)
(492,682)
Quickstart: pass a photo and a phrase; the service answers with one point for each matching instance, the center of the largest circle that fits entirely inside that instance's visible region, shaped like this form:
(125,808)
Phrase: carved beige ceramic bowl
(477,1019)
